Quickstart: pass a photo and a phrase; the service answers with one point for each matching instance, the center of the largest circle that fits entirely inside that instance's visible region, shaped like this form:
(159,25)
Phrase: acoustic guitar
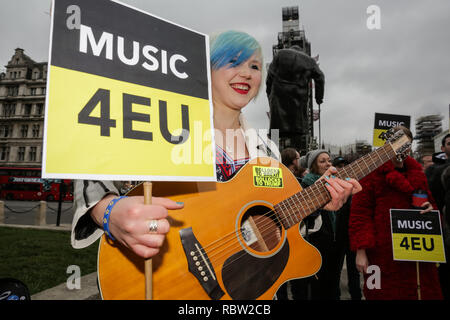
(238,239)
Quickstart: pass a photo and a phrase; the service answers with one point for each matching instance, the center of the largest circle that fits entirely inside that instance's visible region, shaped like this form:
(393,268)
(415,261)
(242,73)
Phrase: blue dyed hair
(233,47)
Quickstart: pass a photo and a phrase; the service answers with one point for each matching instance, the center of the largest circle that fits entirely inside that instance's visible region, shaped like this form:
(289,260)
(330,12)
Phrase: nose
(244,71)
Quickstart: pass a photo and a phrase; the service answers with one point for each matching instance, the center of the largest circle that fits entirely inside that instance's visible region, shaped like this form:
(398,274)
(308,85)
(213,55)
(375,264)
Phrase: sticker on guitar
(268,177)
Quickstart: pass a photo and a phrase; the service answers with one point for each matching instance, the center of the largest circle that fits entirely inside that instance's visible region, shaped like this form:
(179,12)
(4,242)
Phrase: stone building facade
(22,103)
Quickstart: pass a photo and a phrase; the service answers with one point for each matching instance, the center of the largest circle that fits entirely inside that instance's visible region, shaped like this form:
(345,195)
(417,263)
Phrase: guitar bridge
(199,264)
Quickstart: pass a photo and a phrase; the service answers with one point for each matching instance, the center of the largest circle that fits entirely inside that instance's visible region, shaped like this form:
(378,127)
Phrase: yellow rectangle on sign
(267,177)
(418,247)
(101,128)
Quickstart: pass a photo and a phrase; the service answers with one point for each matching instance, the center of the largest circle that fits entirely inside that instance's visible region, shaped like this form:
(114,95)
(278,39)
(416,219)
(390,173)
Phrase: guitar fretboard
(300,205)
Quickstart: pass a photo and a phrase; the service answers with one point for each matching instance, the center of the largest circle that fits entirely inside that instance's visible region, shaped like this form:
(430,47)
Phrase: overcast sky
(402,68)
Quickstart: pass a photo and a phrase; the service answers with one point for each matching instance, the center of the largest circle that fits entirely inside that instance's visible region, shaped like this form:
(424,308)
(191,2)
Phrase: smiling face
(235,86)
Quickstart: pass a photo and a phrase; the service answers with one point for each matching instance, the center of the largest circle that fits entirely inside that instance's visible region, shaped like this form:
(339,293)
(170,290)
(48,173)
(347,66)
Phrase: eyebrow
(256,61)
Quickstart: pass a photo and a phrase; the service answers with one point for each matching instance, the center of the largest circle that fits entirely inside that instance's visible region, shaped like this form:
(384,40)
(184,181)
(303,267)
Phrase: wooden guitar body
(219,258)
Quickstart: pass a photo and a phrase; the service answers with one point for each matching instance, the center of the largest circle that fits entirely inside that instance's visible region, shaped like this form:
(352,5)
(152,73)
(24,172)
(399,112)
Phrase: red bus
(26,184)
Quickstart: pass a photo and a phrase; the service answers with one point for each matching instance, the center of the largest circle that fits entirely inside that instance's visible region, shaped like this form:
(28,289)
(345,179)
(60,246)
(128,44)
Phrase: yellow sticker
(267,177)
(377,137)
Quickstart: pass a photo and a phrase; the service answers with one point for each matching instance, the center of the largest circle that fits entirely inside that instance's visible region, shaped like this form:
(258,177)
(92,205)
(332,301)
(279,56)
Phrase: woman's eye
(255,67)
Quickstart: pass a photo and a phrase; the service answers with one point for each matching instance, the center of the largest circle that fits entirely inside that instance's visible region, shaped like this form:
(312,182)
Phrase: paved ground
(89,290)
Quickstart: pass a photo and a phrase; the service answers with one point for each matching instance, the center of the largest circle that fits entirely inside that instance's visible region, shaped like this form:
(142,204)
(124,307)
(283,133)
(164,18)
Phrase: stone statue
(287,88)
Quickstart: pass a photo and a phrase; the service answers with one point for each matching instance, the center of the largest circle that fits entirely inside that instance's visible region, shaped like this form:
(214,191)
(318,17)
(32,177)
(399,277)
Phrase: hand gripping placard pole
(148,262)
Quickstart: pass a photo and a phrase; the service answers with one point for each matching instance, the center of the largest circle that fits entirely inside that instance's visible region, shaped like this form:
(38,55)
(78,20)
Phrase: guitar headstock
(400,142)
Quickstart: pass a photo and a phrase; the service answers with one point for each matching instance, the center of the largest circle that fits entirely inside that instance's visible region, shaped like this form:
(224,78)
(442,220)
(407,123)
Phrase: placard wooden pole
(148,262)
(418,281)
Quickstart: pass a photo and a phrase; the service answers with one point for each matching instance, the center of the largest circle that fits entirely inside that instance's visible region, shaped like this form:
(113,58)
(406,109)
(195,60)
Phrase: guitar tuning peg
(387,135)
(402,153)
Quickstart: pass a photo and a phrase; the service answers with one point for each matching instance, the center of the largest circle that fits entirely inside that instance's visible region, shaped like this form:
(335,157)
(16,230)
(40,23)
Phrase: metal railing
(40,211)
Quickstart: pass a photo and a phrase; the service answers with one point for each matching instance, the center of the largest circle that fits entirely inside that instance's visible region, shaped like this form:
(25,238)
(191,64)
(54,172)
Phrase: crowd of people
(352,227)
(360,230)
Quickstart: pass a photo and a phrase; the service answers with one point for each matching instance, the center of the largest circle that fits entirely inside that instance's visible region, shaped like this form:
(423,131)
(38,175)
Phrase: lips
(241,88)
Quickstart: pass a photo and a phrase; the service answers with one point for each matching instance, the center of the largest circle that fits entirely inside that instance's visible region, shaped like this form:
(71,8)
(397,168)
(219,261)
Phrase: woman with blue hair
(236,76)
(236,63)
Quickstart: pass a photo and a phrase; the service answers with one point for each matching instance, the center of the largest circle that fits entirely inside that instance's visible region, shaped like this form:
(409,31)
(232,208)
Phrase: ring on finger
(153,226)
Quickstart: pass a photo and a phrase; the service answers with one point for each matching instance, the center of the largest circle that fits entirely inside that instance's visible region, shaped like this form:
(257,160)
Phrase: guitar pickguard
(246,277)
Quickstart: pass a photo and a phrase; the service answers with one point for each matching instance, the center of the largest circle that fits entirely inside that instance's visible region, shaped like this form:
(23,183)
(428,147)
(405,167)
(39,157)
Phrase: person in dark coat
(343,244)
(322,233)
(438,176)
(287,88)
(390,187)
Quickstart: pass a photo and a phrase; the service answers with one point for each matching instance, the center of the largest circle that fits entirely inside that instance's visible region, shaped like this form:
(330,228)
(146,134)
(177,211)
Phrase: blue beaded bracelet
(106,216)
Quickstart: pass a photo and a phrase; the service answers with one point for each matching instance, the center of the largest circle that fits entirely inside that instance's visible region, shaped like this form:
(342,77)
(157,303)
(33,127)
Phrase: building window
(32,154)
(21,154)
(33,91)
(24,130)
(13,91)
(39,108)
(43,90)
(4,153)
(27,109)
(36,128)
(5,131)
(9,110)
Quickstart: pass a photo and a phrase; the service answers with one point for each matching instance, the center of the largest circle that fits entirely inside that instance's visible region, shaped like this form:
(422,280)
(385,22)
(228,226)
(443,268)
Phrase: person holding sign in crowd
(392,186)
(236,62)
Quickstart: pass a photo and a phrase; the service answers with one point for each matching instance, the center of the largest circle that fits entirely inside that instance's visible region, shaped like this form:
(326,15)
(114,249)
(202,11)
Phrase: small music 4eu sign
(417,237)
(128,96)
(384,122)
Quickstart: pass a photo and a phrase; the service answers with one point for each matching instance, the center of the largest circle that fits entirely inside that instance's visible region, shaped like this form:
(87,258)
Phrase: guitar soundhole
(260,229)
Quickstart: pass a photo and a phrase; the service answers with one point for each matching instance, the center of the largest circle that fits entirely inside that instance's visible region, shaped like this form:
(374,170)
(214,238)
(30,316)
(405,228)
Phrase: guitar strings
(207,250)
(290,204)
(317,186)
(217,256)
(217,261)
(312,200)
(267,234)
(262,228)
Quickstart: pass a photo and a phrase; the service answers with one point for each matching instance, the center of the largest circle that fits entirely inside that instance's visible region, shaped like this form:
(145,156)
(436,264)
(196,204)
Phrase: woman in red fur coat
(389,187)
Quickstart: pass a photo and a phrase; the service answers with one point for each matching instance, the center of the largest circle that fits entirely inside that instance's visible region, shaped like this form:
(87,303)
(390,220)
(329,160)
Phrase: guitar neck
(300,205)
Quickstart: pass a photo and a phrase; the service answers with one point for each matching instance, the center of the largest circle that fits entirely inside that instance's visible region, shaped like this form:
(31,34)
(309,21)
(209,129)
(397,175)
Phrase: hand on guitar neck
(340,190)
(130,219)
